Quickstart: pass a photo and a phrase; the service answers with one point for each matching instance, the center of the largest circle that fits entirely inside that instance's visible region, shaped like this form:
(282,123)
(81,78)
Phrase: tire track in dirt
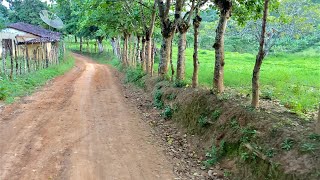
(78,127)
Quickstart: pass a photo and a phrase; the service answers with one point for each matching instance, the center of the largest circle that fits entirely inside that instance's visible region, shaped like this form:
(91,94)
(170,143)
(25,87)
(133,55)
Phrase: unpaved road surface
(78,127)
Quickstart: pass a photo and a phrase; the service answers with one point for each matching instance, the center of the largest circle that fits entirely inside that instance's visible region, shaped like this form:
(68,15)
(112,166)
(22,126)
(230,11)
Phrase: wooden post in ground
(27,58)
(10,46)
(16,57)
(4,56)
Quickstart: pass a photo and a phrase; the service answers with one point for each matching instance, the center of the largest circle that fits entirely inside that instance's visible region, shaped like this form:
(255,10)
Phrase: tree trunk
(152,56)
(171,64)
(138,51)
(168,29)
(196,25)
(114,47)
(100,45)
(259,59)
(88,48)
(80,44)
(149,39)
(143,55)
(75,39)
(225,12)
(148,55)
(125,49)
(165,56)
(181,55)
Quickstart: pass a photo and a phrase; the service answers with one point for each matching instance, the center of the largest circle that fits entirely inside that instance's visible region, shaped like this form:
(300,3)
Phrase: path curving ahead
(78,127)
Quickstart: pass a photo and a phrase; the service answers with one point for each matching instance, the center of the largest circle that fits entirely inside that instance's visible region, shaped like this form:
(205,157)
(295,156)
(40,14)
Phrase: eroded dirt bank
(78,127)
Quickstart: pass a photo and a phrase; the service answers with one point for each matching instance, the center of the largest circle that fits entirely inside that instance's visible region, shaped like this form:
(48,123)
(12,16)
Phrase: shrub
(287,144)
(180,84)
(216,114)
(172,96)
(3,93)
(135,76)
(203,121)
(157,98)
(167,113)
(215,154)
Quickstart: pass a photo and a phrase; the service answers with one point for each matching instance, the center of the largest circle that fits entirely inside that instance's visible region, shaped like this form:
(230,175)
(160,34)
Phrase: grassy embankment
(26,84)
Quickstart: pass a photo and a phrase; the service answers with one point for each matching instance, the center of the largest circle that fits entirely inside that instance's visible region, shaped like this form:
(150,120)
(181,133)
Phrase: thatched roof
(44,34)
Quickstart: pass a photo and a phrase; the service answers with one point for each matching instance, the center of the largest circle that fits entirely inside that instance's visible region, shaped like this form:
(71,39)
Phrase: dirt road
(78,127)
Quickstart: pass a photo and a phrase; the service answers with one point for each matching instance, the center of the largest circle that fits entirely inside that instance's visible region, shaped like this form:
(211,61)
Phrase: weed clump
(216,114)
(215,154)
(157,99)
(180,84)
(167,113)
(287,144)
(3,93)
(135,75)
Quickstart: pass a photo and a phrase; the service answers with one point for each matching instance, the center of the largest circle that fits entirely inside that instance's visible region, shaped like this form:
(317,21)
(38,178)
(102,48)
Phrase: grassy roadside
(26,84)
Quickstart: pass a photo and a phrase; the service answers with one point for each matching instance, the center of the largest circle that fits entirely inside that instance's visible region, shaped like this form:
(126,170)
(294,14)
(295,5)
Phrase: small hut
(29,42)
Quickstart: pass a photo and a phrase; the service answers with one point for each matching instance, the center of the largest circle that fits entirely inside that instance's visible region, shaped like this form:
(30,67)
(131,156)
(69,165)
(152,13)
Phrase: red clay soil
(79,127)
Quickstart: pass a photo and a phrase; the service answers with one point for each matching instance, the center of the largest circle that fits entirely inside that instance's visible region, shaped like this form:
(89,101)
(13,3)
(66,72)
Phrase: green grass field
(293,79)
(26,84)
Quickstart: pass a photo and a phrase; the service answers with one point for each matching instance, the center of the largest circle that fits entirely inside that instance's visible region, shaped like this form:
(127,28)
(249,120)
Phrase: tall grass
(24,85)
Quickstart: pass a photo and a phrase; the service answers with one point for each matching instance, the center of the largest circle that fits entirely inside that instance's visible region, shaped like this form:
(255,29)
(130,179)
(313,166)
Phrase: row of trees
(138,18)
(134,22)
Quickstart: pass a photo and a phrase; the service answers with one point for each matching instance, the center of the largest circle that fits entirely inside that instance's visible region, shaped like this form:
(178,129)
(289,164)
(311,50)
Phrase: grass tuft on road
(26,84)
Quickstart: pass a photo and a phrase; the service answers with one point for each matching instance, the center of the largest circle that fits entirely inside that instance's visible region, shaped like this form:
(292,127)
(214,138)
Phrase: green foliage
(215,154)
(244,156)
(157,99)
(203,121)
(27,11)
(234,124)
(308,147)
(267,94)
(281,74)
(180,84)
(270,153)
(135,75)
(172,96)
(167,113)
(216,114)
(3,92)
(287,144)
(315,137)
(248,134)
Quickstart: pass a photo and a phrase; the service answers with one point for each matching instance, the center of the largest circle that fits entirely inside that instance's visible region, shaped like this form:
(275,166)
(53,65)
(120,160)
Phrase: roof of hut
(44,34)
